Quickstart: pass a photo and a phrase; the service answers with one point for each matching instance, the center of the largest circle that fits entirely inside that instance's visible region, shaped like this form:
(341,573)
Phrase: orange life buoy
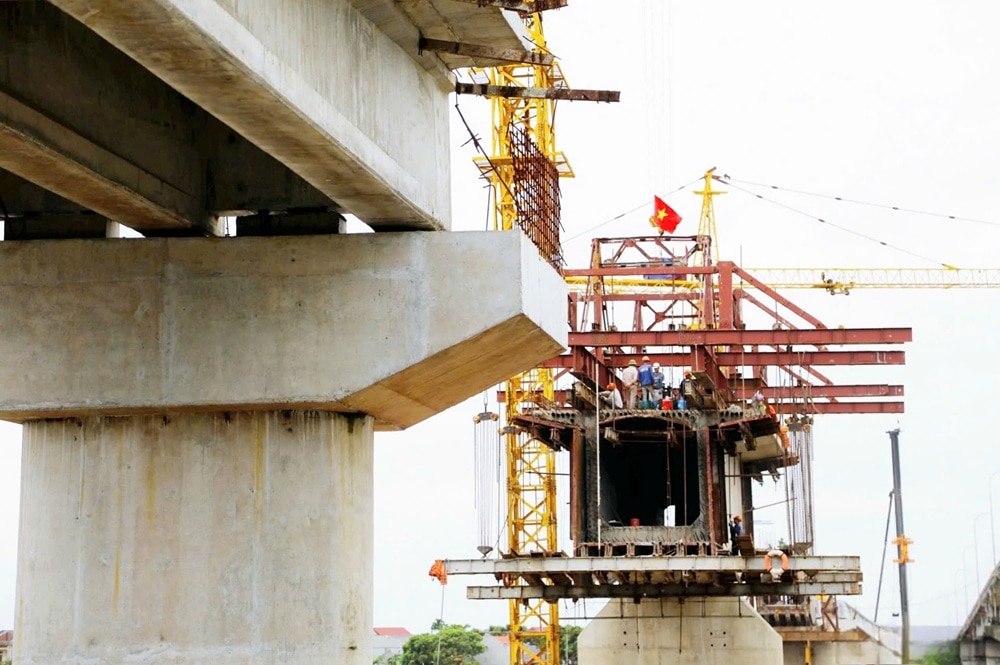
(767,560)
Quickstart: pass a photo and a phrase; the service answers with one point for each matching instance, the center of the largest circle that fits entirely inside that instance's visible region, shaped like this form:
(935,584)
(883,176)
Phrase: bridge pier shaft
(695,631)
(199,418)
(196,538)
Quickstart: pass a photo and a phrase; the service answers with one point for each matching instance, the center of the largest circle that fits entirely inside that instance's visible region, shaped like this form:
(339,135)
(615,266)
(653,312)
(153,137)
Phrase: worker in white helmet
(658,381)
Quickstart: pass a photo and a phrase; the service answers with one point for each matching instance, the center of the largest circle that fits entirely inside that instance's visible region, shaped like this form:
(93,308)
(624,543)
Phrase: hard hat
(632,362)
(687,372)
(737,519)
(645,359)
(611,386)
(656,365)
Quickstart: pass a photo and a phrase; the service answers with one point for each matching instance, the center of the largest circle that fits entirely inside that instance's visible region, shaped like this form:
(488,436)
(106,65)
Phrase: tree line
(453,644)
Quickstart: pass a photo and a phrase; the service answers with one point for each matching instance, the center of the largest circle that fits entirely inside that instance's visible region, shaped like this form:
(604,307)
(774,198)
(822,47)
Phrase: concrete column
(196,538)
(197,468)
(697,631)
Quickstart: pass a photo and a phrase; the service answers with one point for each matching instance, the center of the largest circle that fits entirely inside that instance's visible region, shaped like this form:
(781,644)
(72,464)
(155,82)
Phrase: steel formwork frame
(692,316)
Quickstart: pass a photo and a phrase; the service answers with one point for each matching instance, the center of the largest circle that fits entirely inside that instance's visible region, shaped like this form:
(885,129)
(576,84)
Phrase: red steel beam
(830,408)
(661,271)
(818,392)
(750,358)
(840,408)
(781,337)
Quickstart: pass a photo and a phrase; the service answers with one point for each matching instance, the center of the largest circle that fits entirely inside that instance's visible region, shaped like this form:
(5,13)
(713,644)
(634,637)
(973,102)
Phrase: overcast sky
(888,102)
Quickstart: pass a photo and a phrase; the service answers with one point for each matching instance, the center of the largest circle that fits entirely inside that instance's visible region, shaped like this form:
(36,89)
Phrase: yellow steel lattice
(531,518)
(531,487)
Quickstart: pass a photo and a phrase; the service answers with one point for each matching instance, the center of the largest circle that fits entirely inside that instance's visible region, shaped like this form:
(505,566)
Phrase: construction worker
(736,528)
(658,379)
(684,383)
(646,381)
(612,397)
(630,381)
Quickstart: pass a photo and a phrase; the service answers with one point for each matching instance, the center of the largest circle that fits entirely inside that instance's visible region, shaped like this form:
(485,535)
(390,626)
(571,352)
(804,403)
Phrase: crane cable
(885,546)
(645,204)
(844,199)
(845,229)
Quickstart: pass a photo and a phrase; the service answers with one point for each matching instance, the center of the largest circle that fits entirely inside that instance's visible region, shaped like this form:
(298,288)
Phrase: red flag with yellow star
(664,217)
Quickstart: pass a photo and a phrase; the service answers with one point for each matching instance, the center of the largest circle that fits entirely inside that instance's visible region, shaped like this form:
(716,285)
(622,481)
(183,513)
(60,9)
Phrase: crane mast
(517,125)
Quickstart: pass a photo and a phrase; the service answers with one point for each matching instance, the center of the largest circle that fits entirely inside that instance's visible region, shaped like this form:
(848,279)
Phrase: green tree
(568,635)
(943,654)
(458,644)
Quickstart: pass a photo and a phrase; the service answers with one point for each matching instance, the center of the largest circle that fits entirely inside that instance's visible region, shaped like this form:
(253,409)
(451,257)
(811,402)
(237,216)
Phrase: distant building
(389,642)
(497,650)
(6,642)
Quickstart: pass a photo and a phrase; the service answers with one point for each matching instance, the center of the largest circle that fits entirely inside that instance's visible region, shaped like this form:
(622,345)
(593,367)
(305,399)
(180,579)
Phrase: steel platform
(557,577)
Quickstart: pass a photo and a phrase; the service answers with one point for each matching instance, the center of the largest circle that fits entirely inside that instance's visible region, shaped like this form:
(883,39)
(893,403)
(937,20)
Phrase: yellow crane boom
(843,280)
(837,281)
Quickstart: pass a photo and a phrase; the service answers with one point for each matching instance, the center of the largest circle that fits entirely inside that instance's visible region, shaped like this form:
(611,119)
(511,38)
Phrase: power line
(883,206)
(645,204)
(842,228)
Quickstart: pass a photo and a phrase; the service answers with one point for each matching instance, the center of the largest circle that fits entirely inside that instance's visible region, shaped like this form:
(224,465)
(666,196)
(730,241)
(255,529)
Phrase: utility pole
(902,547)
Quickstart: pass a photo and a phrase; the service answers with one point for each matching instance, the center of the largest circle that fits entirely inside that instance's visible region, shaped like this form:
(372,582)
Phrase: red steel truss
(687,311)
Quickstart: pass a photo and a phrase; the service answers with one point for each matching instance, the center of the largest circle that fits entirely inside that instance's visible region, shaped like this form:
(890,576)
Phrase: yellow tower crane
(524,170)
(531,465)
(841,281)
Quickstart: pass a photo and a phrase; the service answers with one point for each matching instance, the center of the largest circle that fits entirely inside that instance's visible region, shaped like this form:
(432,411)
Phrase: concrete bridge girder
(318,85)
(83,120)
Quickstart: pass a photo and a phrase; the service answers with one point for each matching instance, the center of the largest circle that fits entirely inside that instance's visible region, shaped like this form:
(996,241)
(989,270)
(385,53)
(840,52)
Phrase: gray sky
(889,102)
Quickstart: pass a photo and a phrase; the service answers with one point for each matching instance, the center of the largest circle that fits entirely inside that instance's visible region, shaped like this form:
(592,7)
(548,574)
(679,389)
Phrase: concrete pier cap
(685,631)
(199,414)
(398,326)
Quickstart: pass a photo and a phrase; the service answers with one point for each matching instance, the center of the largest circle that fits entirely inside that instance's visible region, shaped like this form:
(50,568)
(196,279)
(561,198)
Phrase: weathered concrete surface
(840,653)
(398,326)
(196,538)
(318,85)
(110,136)
(697,631)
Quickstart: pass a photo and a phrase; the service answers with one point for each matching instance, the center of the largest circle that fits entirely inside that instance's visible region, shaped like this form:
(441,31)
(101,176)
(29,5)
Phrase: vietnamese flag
(664,217)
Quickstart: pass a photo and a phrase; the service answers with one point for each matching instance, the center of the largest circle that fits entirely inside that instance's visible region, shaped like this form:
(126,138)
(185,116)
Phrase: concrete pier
(196,538)
(199,418)
(695,631)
